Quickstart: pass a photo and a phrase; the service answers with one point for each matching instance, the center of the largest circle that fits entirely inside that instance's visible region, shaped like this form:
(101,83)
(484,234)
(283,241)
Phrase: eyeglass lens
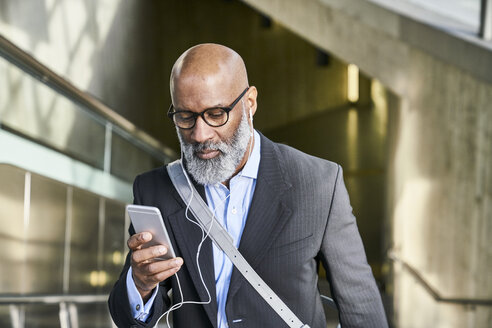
(212,116)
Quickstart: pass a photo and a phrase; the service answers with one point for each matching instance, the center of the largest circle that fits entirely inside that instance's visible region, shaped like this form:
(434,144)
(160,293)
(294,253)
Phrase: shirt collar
(250,170)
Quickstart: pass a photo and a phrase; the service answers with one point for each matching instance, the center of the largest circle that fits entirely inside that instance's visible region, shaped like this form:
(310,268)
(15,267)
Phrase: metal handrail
(52,299)
(433,291)
(31,66)
(67,304)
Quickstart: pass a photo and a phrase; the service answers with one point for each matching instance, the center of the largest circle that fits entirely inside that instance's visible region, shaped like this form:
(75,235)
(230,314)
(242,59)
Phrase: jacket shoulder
(298,162)
(152,176)
(151,186)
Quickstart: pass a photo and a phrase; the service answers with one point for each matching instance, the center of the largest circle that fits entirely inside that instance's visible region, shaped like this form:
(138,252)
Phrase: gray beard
(222,167)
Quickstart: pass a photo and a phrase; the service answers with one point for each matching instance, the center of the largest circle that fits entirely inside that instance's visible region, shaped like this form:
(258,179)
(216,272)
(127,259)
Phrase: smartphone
(148,218)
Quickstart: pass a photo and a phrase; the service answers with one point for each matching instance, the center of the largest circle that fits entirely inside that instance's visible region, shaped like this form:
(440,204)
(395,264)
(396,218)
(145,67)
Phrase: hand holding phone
(149,219)
(153,259)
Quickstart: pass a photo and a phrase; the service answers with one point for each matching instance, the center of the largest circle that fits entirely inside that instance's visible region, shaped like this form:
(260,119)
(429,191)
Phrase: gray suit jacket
(300,213)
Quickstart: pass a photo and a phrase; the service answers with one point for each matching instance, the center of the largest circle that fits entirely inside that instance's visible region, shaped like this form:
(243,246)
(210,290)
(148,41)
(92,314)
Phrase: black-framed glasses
(215,116)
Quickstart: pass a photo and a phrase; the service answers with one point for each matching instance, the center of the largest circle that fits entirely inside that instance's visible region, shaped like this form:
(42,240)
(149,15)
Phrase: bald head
(208,69)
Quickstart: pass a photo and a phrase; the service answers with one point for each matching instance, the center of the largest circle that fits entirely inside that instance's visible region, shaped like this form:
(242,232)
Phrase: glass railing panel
(42,315)
(45,237)
(84,242)
(36,256)
(128,160)
(115,236)
(11,228)
(93,316)
(5,316)
(32,109)
(33,261)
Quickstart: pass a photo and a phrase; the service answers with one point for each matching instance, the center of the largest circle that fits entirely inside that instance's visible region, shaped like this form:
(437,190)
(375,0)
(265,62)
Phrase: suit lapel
(188,237)
(268,212)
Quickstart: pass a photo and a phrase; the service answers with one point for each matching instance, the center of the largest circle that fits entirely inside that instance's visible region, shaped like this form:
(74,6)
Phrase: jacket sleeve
(119,304)
(353,286)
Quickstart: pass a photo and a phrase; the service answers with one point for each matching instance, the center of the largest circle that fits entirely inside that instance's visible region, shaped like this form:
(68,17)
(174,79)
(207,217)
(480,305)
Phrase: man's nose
(201,132)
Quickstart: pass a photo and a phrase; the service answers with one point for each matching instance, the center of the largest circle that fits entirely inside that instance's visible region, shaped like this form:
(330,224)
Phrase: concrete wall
(440,159)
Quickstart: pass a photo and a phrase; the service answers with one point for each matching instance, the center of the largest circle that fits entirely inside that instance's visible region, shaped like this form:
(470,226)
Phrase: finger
(154,268)
(163,275)
(138,239)
(148,275)
(143,255)
(148,282)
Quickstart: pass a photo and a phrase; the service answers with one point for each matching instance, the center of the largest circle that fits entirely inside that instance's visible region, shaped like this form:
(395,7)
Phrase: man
(285,210)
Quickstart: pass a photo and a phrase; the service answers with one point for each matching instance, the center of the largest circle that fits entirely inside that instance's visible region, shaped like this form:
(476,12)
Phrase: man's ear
(251,100)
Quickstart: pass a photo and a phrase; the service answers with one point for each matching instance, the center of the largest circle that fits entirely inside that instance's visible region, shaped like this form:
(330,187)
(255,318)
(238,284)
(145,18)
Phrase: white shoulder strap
(223,240)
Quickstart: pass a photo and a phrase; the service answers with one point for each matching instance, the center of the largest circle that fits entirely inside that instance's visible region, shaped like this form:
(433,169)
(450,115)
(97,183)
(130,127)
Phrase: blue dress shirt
(231,210)
(231,207)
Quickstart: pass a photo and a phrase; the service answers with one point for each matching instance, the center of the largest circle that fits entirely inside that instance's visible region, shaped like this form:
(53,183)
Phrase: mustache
(208,145)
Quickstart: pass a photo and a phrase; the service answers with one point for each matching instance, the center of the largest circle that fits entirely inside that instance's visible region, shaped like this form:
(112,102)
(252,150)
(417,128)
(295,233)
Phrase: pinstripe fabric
(300,211)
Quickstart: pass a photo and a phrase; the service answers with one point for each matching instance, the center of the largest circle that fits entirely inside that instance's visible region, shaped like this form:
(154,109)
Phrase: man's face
(212,153)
